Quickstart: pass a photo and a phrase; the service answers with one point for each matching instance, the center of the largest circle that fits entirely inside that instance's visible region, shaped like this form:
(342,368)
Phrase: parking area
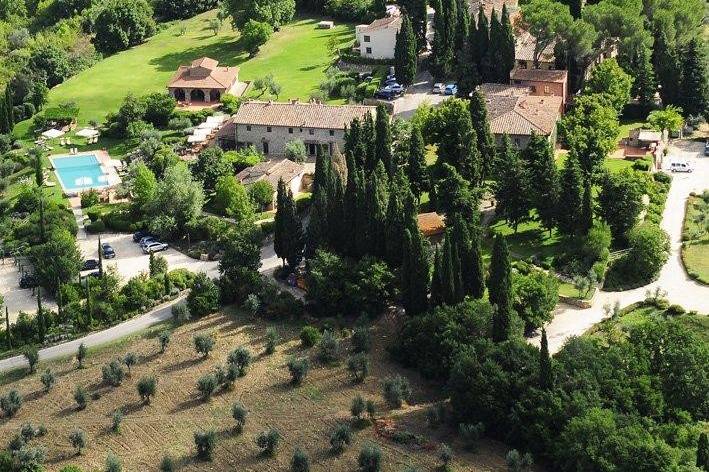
(416,94)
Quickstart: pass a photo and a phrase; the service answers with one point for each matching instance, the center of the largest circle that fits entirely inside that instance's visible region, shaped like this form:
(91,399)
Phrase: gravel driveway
(416,94)
(680,288)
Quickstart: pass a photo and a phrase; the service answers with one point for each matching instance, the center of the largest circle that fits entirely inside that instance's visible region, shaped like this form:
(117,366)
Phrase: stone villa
(204,82)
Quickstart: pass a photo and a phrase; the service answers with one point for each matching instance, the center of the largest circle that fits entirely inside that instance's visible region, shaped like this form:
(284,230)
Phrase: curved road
(682,290)
(269,261)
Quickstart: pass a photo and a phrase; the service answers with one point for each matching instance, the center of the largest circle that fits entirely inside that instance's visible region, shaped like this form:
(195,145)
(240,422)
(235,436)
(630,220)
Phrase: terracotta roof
(204,73)
(430,224)
(539,75)
(297,114)
(520,115)
(524,48)
(382,23)
(509,90)
(271,171)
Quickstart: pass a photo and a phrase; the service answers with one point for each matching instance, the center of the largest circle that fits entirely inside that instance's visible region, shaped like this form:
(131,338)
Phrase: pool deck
(107,165)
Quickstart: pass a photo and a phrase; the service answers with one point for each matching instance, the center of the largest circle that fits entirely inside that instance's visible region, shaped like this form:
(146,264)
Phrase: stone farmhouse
(204,82)
(269,126)
(378,39)
(272,171)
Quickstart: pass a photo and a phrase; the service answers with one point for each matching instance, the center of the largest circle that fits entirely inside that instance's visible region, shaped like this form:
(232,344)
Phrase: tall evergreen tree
(506,47)
(467,67)
(439,44)
(570,204)
(586,217)
(379,8)
(349,216)
(405,53)
(451,25)
(546,375)
(416,169)
(363,238)
(644,85)
(703,452)
(494,51)
(467,240)
(462,27)
(395,224)
(458,145)
(418,9)
(482,46)
(382,141)
(415,274)
(666,63)
(376,201)
(437,290)
(543,179)
(694,97)
(500,289)
(512,195)
(8,333)
(36,154)
(7,120)
(485,139)
(100,257)
(318,229)
(41,318)
(288,230)
(451,282)
(4,123)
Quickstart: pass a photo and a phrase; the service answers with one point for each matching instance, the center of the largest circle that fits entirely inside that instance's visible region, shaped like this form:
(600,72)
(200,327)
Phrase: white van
(680,166)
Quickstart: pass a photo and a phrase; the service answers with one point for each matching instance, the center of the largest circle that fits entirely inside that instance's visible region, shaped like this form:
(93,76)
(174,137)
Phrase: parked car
(391,80)
(154,247)
(108,252)
(146,240)
(90,264)
(138,235)
(390,92)
(451,89)
(706,148)
(438,88)
(28,281)
(680,166)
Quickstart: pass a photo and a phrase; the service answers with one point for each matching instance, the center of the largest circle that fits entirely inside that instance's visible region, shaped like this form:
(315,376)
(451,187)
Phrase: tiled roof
(520,115)
(381,23)
(505,89)
(524,48)
(204,73)
(430,224)
(297,114)
(539,75)
(271,171)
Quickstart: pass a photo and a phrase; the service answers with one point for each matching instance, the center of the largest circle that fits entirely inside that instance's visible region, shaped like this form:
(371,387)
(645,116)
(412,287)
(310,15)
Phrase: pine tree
(667,67)
(482,46)
(415,274)
(546,375)
(506,47)
(419,21)
(570,197)
(416,169)
(405,53)
(485,139)
(382,143)
(543,179)
(512,196)
(437,295)
(459,146)
(694,96)
(703,452)
(500,289)
(586,218)
(644,85)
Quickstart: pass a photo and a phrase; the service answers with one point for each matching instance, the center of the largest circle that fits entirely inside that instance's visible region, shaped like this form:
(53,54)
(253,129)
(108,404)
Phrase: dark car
(90,264)
(138,235)
(108,252)
(28,281)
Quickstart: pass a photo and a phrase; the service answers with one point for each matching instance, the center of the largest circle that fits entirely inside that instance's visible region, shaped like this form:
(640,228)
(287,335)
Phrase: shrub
(340,438)
(28,432)
(116,421)
(113,373)
(146,387)
(261,193)
(329,348)
(298,369)
(295,150)
(241,358)
(180,312)
(48,379)
(361,339)
(370,458)
(81,397)
(167,464)
(436,415)
(396,390)
(203,299)
(675,310)
(517,462)
(164,339)
(239,413)
(206,385)
(371,409)
(470,434)
(94,227)
(32,356)
(254,34)
(445,454)
(205,442)
(357,407)
(662,177)
(81,353)
(268,441)
(272,339)
(77,438)
(89,198)
(113,463)
(309,336)
(130,359)
(358,365)
(300,461)
(203,344)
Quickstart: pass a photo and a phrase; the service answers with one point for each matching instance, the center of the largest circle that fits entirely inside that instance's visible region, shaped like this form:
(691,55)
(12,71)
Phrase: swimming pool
(77,173)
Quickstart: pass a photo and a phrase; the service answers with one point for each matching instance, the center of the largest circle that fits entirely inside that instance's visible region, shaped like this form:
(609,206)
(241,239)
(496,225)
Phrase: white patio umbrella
(87,133)
(53,133)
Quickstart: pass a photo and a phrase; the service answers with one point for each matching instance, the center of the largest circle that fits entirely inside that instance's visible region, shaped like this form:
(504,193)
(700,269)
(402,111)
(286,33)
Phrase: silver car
(154,247)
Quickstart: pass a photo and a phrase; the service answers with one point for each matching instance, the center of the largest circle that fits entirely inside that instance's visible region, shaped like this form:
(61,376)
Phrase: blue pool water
(78,173)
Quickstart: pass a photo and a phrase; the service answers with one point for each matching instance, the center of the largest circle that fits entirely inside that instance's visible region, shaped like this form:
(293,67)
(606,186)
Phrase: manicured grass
(695,248)
(529,240)
(612,164)
(626,125)
(297,56)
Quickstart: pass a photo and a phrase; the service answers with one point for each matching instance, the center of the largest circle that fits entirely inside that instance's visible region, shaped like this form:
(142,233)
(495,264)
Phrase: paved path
(269,262)
(682,290)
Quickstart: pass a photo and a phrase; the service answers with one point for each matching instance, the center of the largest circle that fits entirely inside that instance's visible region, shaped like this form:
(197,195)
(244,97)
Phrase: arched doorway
(214,96)
(197,95)
(180,95)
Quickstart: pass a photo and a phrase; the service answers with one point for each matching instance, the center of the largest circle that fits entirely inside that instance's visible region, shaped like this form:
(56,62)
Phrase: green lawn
(695,249)
(612,164)
(529,240)
(297,56)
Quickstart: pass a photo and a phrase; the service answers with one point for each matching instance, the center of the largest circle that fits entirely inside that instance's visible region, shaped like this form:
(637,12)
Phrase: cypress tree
(437,295)
(644,85)
(38,174)
(459,146)
(415,274)
(288,231)
(462,29)
(405,53)
(506,47)
(335,236)
(416,169)
(586,218)
(450,271)
(349,216)
(494,51)
(694,97)
(362,216)
(382,143)
(4,124)
(280,224)
(467,242)
(703,452)
(394,221)
(419,21)
(570,201)
(8,333)
(511,194)
(485,139)
(316,235)
(352,140)
(666,63)
(500,289)
(379,8)
(377,197)
(482,42)
(466,67)
(439,43)
(543,184)
(41,319)
(42,222)
(546,375)
(451,25)
(367,138)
